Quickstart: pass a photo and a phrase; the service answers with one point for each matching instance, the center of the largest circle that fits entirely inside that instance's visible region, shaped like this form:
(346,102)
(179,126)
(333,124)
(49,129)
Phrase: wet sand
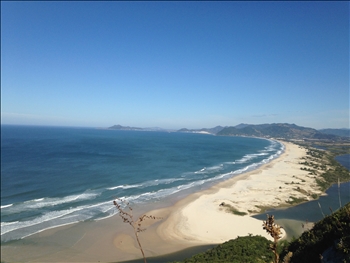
(196,220)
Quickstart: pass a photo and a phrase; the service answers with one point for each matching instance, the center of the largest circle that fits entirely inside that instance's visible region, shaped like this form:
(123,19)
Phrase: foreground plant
(275,231)
(328,239)
(129,218)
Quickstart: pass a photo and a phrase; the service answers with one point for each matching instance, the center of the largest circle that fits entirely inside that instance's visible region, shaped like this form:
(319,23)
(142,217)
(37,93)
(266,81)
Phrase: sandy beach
(199,219)
(205,219)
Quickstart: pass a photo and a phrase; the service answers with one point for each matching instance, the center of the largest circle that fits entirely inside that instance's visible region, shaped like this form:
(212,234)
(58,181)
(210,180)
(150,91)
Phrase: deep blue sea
(53,176)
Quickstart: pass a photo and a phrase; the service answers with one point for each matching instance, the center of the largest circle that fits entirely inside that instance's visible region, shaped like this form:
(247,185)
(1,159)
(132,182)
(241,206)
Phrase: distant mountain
(278,130)
(241,126)
(214,130)
(275,130)
(338,132)
(127,128)
(124,128)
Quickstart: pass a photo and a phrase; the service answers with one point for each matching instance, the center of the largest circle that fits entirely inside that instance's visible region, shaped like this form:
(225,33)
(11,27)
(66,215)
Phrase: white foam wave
(49,202)
(8,223)
(144,197)
(106,209)
(162,193)
(215,168)
(125,186)
(249,157)
(201,170)
(162,181)
(5,206)
(273,146)
(57,201)
(49,219)
(208,170)
(147,183)
(46,217)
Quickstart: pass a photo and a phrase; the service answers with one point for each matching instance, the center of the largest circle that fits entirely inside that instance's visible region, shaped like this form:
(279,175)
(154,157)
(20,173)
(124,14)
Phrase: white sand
(195,220)
(203,220)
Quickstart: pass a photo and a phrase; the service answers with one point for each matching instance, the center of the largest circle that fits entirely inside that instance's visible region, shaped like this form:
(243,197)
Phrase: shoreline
(195,220)
(200,217)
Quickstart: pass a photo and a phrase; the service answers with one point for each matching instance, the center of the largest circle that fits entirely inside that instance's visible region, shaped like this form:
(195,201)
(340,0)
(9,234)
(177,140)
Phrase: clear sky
(175,64)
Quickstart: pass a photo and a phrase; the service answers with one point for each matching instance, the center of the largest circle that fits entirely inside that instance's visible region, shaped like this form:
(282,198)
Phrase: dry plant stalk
(275,231)
(129,218)
(288,257)
(339,193)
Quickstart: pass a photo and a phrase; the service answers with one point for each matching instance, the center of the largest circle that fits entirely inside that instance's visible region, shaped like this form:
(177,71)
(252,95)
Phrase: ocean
(54,176)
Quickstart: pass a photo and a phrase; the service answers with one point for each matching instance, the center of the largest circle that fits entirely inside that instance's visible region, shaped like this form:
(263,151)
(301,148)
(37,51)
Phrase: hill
(124,128)
(278,130)
(284,131)
(337,132)
(128,128)
(329,240)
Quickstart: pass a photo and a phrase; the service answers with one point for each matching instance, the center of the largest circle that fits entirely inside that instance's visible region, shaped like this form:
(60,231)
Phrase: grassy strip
(322,164)
(231,209)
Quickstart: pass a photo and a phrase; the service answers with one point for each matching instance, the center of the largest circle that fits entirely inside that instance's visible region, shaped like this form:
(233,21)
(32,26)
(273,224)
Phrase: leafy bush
(332,231)
(248,249)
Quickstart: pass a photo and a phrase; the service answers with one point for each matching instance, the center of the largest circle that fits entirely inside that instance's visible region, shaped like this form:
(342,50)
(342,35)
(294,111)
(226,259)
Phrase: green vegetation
(323,164)
(238,213)
(337,149)
(330,237)
(338,132)
(335,173)
(283,131)
(314,196)
(294,200)
(240,250)
(231,209)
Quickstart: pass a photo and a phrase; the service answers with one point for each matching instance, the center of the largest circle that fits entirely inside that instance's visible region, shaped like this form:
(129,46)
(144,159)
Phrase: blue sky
(175,64)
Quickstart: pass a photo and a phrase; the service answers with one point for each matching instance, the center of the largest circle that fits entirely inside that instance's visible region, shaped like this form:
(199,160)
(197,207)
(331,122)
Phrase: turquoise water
(52,176)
